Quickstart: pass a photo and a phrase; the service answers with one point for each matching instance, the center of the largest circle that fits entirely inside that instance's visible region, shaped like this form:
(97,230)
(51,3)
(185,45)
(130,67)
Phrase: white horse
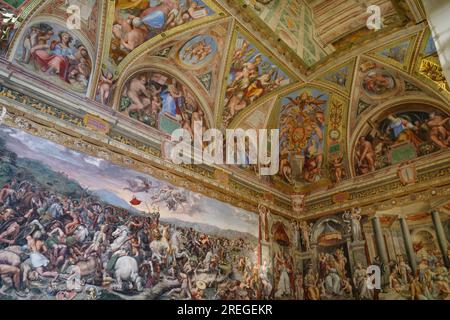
(126,268)
(120,236)
(176,242)
(159,249)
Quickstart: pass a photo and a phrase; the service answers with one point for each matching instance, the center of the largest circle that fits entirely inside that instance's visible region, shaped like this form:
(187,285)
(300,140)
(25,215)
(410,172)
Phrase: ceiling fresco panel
(252,75)
(341,77)
(136,22)
(197,53)
(401,134)
(56,54)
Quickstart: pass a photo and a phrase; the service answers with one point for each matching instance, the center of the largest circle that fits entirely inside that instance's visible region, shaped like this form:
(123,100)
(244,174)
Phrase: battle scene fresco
(402,136)
(136,22)
(56,54)
(77,227)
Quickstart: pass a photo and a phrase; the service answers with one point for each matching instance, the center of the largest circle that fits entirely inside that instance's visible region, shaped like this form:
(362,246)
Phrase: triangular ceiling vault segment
(252,74)
(296,113)
(398,54)
(341,77)
(258,118)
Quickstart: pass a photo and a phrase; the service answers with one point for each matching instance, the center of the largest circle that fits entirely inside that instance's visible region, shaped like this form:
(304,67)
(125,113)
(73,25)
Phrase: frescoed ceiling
(310,68)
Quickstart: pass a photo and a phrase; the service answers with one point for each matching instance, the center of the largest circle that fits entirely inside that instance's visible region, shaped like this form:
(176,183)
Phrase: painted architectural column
(438,13)
(440,234)
(381,248)
(408,244)
(380,244)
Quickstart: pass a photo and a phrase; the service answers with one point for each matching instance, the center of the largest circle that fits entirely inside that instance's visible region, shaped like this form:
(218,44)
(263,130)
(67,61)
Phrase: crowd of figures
(331,280)
(431,280)
(55,246)
(52,246)
(150,95)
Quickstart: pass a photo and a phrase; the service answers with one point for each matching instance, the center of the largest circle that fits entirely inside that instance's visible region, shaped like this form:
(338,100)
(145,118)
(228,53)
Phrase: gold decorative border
(428,182)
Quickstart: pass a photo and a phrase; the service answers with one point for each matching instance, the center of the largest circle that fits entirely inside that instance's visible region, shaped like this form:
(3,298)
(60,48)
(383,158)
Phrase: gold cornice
(57,127)
(438,179)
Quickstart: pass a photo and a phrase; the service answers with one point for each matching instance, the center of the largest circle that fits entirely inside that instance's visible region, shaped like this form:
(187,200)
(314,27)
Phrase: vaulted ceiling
(308,67)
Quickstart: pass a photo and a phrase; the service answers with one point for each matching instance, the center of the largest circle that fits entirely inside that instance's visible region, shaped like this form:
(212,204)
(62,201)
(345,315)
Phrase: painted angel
(105,86)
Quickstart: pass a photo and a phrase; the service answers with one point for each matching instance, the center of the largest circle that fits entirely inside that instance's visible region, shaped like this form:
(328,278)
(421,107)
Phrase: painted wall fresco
(160,101)
(332,254)
(252,76)
(88,229)
(401,136)
(401,281)
(302,135)
(138,21)
(56,54)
